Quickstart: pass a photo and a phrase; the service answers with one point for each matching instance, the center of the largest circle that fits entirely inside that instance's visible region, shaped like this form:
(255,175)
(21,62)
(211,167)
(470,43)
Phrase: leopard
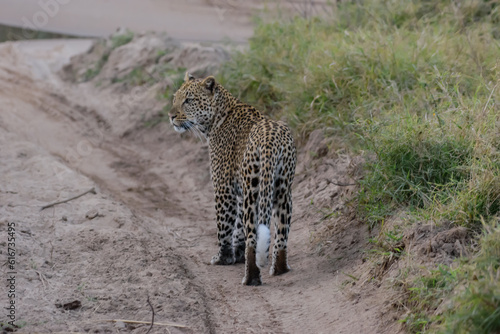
(252,167)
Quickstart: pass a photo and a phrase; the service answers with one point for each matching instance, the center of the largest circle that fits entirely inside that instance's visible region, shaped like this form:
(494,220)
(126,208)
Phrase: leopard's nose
(172,117)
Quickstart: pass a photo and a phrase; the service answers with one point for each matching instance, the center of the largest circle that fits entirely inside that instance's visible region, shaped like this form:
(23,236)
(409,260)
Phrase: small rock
(91,214)
(64,218)
(70,306)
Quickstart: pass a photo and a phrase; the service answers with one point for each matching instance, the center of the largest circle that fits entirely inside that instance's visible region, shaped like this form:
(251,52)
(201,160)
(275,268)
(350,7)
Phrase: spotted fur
(252,164)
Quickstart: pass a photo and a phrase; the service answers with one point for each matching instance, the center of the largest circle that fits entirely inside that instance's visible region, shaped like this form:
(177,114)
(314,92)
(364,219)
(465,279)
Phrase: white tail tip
(263,242)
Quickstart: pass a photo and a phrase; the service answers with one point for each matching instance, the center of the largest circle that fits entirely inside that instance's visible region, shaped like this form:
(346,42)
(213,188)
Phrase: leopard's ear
(188,77)
(209,83)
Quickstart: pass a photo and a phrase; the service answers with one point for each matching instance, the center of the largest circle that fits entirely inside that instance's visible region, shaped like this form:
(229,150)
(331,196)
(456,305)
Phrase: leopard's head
(192,105)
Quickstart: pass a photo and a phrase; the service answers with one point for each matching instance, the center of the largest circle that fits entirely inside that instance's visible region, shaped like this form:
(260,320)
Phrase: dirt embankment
(149,231)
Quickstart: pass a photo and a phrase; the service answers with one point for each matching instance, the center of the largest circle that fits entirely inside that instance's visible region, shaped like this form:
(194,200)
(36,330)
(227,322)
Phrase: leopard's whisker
(194,126)
(202,135)
(191,127)
(196,132)
(202,131)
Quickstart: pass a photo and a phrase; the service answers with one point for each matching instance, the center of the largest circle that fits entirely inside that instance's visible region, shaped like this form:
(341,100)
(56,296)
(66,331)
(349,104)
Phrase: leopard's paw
(219,260)
(255,281)
(275,271)
(280,264)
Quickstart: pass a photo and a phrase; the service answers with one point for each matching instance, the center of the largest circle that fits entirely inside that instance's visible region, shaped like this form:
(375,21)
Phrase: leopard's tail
(263,242)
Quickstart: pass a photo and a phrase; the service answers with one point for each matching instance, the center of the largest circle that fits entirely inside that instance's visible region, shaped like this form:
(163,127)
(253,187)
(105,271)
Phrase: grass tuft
(417,162)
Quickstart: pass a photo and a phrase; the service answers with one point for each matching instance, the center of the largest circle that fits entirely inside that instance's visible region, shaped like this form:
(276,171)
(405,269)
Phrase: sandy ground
(149,230)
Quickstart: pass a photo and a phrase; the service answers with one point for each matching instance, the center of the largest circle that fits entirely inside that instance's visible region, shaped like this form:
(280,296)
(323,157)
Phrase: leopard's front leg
(226,208)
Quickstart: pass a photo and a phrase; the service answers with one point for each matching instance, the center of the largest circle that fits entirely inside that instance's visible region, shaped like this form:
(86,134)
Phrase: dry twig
(92,190)
(152,317)
(42,278)
(171,324)
(340,184)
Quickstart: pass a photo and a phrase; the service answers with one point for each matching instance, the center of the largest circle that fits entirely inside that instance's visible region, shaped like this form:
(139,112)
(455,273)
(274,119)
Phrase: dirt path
(149,230)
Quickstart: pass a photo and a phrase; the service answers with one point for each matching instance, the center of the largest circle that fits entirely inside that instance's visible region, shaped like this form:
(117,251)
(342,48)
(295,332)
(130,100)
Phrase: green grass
(417,162)
(415,86)
(447,165)
(121,39)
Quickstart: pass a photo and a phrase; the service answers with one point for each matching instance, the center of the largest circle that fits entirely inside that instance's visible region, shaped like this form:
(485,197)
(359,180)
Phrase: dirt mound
(143,51)
(442,244)
(153,56)
(199,60)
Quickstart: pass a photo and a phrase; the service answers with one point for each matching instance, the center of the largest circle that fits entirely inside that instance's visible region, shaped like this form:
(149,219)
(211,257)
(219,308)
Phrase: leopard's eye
(188,101)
